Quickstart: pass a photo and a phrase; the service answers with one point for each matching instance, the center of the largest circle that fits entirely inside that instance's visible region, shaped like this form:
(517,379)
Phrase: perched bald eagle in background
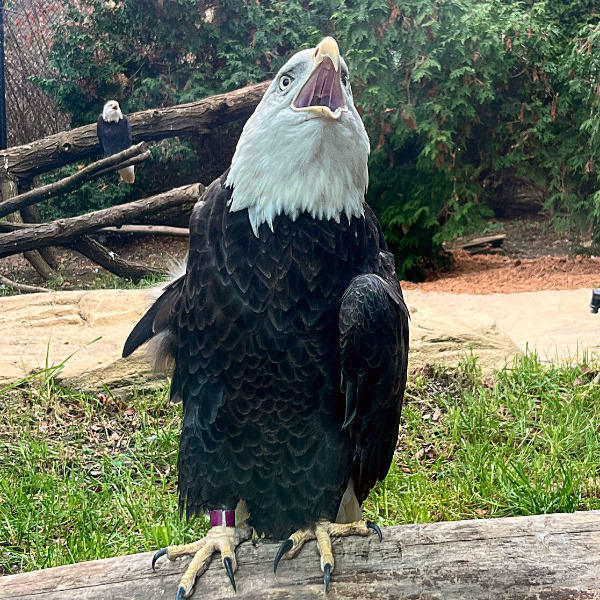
(114,134)
(288,332)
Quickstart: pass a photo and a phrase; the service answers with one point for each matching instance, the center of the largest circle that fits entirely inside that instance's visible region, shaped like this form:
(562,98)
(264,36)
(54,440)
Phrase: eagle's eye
(284,82)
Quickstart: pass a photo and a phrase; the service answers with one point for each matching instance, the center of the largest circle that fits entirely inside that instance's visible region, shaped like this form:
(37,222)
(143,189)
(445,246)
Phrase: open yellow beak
(328,48)
(322,91)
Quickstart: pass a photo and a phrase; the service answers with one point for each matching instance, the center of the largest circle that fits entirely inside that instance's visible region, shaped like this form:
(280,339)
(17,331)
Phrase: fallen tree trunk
(111,261)
(131,156)
(64,231)
(554,557)
(25,162)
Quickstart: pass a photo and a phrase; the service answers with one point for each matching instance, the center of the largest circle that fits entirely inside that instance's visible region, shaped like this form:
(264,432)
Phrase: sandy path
(555,323)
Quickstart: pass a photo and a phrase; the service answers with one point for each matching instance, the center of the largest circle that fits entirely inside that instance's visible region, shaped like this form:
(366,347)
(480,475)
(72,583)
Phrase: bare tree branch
(64,231)
(111,261)
(133,155)
(148,230)
(22,287)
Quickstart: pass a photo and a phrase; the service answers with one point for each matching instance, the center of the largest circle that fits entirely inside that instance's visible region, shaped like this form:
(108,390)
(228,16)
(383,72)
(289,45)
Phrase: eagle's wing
(100,133)
(128,135)
(373,324)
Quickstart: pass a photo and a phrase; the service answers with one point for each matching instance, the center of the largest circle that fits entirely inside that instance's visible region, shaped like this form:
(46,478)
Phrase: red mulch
(492,273)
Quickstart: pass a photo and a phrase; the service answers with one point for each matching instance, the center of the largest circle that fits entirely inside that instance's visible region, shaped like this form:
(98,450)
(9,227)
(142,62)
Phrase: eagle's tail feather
(128,174)
(154,325)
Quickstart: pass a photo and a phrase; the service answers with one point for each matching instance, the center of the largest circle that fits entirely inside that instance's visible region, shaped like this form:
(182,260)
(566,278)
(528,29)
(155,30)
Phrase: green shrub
(451,92)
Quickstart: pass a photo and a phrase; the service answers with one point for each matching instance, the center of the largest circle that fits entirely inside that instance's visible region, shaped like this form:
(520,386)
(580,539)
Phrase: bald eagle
(114,135)
(288,332)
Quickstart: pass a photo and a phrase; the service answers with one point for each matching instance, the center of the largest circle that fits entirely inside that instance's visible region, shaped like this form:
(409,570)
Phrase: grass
(102,280)
(90,477)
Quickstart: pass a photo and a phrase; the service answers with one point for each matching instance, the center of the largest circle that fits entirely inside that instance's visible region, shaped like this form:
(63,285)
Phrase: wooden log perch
(549,557)
(25,162)
(133,155)
(64,231)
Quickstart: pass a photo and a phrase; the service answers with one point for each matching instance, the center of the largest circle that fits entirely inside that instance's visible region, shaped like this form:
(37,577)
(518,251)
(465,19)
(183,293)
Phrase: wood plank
(493,241)
(548,557)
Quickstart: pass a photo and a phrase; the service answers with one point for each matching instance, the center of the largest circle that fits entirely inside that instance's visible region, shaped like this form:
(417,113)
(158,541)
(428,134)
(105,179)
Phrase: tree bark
(549,557)
(64,231)
(131,156)
(31,214)
(25,162)
(111,261)
(9,189)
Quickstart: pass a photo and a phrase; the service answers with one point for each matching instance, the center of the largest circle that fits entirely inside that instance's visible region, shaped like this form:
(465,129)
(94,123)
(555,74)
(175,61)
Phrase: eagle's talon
(375,528)
(158,554)
(283,549)
(229,568)
(326,576)
(219,538)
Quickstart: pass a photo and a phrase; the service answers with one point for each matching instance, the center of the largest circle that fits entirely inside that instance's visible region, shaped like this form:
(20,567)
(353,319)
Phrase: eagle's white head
(111,112)
(305,148)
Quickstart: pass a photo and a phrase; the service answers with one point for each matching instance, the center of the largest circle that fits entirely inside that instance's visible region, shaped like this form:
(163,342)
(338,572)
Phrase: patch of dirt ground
(493,273)
(79,273)
(534,256)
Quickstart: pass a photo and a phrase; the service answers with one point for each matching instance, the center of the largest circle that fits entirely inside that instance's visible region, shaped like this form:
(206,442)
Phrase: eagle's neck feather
(292,167)
(112,116)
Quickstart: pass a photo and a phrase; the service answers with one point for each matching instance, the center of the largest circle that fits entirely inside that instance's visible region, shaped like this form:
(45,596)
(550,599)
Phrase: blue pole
(3,140)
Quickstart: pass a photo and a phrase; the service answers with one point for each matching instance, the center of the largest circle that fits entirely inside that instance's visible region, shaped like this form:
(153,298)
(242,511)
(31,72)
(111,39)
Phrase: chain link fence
(30,113)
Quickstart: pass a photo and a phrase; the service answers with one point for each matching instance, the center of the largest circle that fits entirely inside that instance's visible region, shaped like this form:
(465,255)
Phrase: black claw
(285,547)
(326,576)
(180,593)
(229,568)
(160,553)
(375,528)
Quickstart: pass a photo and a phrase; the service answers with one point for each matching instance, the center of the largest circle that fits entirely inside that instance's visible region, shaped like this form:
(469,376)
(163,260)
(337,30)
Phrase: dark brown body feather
(291,355)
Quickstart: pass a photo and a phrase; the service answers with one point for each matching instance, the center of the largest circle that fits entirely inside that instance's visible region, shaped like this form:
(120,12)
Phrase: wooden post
(550,557)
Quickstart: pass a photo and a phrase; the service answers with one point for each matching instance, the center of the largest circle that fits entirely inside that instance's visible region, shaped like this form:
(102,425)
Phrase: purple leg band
(222,517)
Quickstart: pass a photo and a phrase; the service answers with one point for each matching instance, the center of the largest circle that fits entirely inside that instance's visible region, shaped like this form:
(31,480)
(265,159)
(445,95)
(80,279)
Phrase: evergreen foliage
(450,91)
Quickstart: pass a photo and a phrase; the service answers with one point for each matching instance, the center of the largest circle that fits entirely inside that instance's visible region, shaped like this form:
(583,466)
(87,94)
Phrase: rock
(124,378)
(84,331)
(437,337)
(80,332)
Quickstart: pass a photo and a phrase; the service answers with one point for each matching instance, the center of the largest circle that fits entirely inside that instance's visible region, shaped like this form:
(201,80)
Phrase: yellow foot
(323,531)
(224,539)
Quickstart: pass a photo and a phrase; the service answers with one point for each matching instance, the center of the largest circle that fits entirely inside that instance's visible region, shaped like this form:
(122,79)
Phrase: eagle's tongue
(323,88)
